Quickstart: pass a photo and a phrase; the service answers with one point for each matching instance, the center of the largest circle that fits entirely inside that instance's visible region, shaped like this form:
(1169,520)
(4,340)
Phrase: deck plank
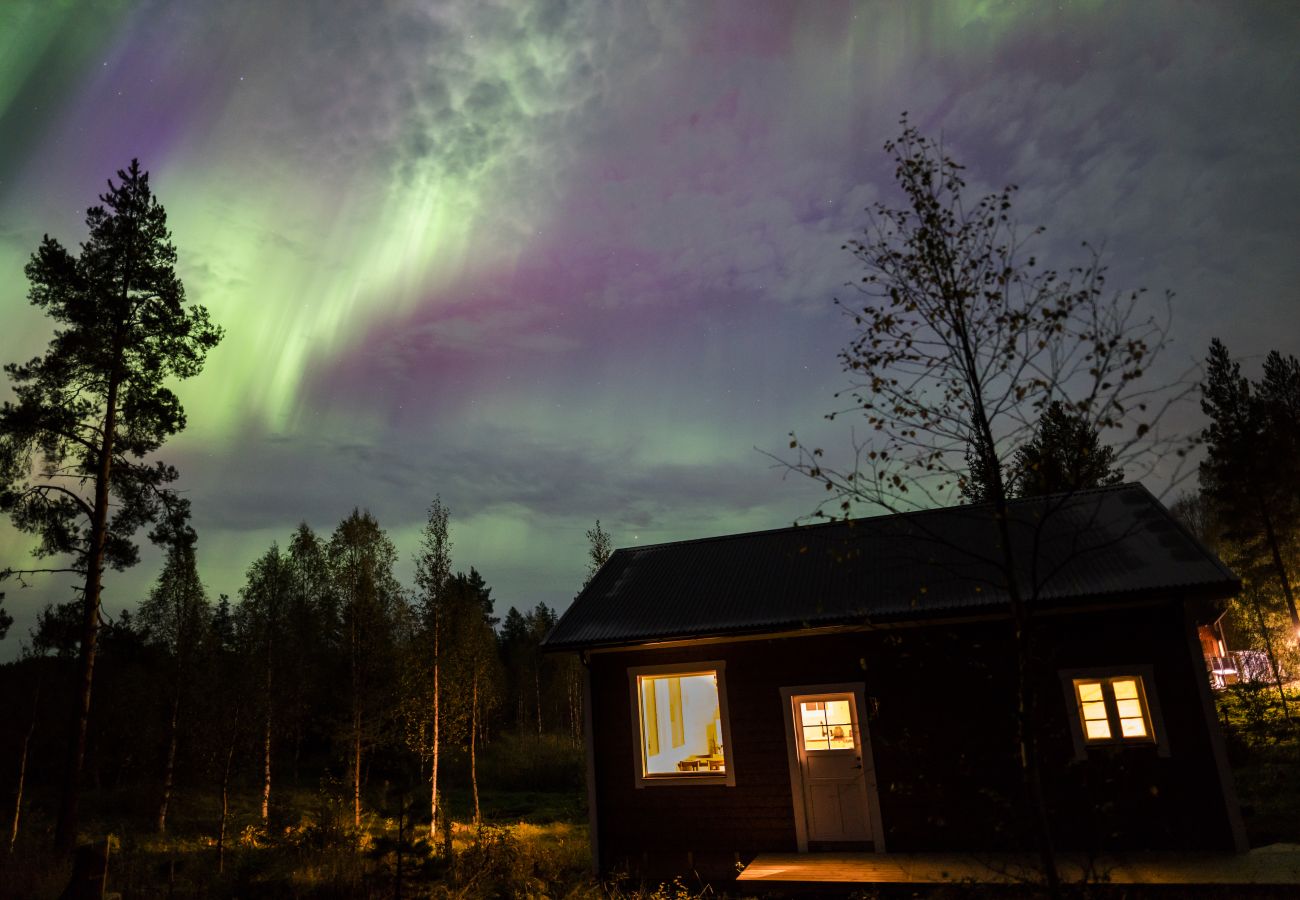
(1275,864)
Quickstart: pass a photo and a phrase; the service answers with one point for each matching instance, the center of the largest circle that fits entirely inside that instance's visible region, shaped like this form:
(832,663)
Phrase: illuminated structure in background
(853,685)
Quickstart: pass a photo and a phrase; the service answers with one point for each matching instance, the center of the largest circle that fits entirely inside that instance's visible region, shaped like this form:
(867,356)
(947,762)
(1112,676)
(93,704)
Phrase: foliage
(1254,491)
(963,343)
(598,551)
(966,351)
(77,464)
(176,614)
(1264,749)
(371,606)
(91,410)
(1064,454)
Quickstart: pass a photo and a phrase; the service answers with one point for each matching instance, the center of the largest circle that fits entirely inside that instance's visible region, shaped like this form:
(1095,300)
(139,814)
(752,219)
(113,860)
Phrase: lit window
(827,724)
(681,725)
(1113,710)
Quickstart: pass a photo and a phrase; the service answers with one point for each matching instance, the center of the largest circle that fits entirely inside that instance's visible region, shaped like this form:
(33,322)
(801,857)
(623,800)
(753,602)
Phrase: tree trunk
(433,774)
(1268,648)
(1025,687)
(473,729)
(169,767)
(537,687)
(1280,568)
(356,772)
(65,833)
(22,767)
(266,764)
(225,799)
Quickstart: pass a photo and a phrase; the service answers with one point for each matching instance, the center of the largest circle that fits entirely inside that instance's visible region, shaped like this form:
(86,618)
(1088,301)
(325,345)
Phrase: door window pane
(826,724)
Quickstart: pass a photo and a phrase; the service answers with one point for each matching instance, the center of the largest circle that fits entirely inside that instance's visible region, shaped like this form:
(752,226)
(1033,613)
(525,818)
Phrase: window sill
(715,779)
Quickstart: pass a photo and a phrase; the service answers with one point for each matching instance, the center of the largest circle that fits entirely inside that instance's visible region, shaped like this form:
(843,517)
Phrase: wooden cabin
(853,685)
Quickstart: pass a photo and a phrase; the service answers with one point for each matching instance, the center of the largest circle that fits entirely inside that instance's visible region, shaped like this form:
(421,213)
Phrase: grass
(533,842)
(1264,751)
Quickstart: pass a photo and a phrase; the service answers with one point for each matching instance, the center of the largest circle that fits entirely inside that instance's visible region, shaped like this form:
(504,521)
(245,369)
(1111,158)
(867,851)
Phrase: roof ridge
(1020,501)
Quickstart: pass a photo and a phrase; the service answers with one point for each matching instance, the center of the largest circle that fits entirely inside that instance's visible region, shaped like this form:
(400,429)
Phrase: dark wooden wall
(942,726)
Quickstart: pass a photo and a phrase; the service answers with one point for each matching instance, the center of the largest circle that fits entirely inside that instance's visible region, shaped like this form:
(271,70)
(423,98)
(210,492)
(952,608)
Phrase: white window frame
(1145,673)
(718,667)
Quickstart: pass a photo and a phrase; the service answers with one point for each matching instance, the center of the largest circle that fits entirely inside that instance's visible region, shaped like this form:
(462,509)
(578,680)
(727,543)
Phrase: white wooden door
(834,782)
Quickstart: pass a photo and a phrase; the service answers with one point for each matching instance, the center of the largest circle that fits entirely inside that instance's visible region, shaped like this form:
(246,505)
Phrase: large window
(681,719)
(1113,707)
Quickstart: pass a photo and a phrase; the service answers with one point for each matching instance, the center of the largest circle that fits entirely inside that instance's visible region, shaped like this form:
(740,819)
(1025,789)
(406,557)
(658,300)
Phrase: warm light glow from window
(1113,705)
(681,727)
(827,724)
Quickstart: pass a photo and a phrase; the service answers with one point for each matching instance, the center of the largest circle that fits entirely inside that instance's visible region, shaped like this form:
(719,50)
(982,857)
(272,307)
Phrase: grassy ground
(1264,750)
(533,843)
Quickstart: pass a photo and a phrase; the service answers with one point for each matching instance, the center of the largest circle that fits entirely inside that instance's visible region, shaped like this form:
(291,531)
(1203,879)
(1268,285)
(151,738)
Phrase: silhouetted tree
(261,626)
(422,672)
(1065,454)
(598,550)
(89,415)
(984,469)
(175,616)
(226,682)
(472,662)
(361,559)
(311,637)
(962,343)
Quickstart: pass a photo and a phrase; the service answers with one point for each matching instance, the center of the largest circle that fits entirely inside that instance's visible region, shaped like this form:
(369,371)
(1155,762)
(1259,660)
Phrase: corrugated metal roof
(1093,544)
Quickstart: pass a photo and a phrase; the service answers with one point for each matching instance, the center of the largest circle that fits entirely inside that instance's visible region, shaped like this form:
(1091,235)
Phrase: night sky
(560,261)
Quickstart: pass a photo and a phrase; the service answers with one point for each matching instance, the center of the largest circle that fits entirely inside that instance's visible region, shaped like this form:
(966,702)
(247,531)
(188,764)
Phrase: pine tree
(1247,475)
(1064,454)
(77,446)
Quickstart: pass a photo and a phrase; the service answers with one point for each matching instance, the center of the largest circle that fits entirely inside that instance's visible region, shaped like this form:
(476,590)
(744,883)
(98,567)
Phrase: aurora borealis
(567,261)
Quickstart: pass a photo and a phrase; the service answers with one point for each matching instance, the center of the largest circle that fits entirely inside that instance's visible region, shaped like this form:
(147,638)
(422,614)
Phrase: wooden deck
(1275,864)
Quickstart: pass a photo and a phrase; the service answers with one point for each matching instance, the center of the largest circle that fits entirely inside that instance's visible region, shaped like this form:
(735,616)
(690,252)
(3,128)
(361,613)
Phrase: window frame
(717,667)
(1145,676)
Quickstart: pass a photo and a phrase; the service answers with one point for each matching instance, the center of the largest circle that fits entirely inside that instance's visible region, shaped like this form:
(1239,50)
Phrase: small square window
(1113,710)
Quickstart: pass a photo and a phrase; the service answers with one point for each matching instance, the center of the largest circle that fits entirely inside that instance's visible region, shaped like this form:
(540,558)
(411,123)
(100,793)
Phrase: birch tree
(961,343)
(176,616)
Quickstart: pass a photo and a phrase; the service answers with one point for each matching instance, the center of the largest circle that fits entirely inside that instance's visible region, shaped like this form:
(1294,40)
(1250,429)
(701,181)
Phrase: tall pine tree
(76,447)
(1247,473)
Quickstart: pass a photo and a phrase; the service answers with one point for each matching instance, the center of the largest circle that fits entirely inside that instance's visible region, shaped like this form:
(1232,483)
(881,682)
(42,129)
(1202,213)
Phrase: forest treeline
(323,670)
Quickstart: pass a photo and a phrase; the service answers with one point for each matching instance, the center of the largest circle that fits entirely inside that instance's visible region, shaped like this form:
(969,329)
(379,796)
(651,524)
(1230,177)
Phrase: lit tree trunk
(356,769)
(433,773)
(473,730)
(65,834)
(169,768)
(356,725)
(266,734)
(22,767)
(225,797)
(537,688)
